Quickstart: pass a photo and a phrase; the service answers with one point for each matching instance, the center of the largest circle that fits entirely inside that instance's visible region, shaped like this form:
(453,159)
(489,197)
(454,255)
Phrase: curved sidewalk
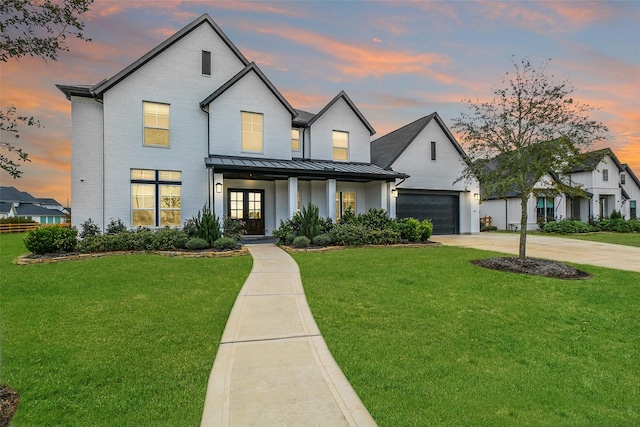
(555,248)
(273,367)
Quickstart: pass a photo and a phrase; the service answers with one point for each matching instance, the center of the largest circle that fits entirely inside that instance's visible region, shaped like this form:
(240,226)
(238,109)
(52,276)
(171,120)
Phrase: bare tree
(531,128)
(33,28)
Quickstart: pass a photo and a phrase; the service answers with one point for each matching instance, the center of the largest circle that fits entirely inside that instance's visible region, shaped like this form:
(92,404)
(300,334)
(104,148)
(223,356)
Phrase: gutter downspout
(210,174)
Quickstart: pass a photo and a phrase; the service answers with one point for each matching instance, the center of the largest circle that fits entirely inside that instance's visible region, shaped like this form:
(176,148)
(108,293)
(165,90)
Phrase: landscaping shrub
(196,243)
(225,243)
(634,225)
(322,240)
(289,239)
(51,239)
(287,228)
(350,235)
(410,229)
(566,226)
(426,229)
(233,228)
(89,229)
(488,228)
(377,219)
(326,225)
(348,216)
(385,236)
(115,226)
(301,242)
(16,220)
(206,226)
(167,239)
(310,221)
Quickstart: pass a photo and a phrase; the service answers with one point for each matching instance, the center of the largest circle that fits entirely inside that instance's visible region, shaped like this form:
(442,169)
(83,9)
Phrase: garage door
(443,209)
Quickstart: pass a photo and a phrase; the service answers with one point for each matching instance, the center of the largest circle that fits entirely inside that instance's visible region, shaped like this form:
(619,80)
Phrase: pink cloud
(360,61)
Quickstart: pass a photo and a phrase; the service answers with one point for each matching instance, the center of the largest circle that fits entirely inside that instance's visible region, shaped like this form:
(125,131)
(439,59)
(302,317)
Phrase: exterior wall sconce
(218,187)
(476,196)
(394,193)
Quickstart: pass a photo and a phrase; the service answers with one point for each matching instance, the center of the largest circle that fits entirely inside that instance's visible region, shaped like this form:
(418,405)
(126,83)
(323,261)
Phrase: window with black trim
(295,139)
(155,198)
(623,179)
(433,150)
(345,200)
(206,63)
(605,174)
(251,131)
(340,145)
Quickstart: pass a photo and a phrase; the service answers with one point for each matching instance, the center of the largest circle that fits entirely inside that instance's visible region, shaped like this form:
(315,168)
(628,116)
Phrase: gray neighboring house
(427,151)
(16,203)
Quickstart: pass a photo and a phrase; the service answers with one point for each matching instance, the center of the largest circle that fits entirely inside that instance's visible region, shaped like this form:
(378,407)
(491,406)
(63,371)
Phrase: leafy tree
(530,129)
(33,28)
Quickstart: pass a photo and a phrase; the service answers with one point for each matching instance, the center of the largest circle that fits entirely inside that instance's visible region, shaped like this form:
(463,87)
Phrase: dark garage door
(443,209)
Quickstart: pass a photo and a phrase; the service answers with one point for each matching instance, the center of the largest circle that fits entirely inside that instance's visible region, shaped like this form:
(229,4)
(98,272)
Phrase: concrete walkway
(273,367)
(555,248)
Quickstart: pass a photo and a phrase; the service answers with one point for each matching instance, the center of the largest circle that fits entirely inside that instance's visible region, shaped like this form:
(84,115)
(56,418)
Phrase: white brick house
(193,122)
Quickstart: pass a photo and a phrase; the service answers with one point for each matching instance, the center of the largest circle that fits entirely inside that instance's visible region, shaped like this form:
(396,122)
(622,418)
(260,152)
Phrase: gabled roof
(343,95)
(592,159)
(12,194)
(99,89)
(632,175)
(252,67)
(386,149)
(5,207)
(302,118)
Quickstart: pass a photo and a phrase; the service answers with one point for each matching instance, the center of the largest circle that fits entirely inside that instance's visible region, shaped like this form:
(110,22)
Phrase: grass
(124,340)
(627,239)
(426,338)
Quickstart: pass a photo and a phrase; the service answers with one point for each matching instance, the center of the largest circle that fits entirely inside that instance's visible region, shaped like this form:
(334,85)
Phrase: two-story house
(606,185)
(427,151)
(193,122)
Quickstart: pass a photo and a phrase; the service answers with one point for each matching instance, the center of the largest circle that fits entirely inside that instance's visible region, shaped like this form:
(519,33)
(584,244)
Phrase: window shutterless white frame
(155,124)
(252,131)
(340,145)
(295,139)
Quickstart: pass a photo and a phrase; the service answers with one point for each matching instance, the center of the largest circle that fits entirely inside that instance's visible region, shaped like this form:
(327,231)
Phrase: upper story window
(340,145)
(623,179)
(251,131)
(295,139)
(206,63)
(605,174)
(156,124)
(433,150)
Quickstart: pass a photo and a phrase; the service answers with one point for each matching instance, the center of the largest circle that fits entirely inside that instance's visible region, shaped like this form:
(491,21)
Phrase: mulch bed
(534,266)
(9,400)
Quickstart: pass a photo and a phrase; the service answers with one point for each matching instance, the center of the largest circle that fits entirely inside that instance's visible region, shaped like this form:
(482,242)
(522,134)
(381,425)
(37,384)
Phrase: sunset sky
(398,61)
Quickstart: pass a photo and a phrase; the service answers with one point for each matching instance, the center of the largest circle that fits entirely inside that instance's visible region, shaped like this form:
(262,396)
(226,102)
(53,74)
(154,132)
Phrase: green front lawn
(627,239)
(426,338)
(123,340)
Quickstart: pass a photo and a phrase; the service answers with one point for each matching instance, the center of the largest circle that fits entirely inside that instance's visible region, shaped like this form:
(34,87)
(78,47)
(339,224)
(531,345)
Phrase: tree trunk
(522,252)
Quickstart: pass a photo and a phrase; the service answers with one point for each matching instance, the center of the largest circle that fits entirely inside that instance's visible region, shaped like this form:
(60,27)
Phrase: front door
(248,206)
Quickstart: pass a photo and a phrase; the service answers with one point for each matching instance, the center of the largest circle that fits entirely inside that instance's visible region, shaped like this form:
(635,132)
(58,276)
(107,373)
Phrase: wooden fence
(485,221)
(24,227)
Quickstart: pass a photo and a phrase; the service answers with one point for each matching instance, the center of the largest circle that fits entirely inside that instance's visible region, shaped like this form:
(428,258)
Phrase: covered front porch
(264,192)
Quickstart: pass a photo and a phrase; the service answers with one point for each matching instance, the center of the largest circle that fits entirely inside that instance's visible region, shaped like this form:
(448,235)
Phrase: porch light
(394,193)
(476,196)
(218,187)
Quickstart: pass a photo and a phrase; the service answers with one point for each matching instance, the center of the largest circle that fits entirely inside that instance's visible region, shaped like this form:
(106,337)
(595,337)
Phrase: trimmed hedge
(51,239)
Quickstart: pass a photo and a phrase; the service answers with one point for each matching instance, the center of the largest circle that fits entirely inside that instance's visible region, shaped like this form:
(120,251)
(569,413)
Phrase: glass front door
(248,206)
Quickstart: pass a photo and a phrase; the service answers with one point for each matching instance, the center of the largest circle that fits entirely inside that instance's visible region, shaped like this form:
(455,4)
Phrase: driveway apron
(273,367)
(554,248)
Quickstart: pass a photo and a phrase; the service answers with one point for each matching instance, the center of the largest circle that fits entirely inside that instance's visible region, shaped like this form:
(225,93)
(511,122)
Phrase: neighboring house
(193,122)
(15,203)
(600,178)
(427,151)
(630,184)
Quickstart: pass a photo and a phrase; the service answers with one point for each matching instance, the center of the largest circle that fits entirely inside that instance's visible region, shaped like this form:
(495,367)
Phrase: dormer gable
(250,68)
(343,95)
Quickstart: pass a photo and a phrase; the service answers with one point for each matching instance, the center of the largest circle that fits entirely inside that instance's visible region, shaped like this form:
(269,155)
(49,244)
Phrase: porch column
(293,196)
(384,196)
(331,199)
(392,199)
(218,195)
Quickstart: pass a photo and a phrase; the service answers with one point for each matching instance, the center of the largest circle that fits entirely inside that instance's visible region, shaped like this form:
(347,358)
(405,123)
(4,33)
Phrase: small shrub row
(373,227)
(51,239)
(16,220)
(566,226)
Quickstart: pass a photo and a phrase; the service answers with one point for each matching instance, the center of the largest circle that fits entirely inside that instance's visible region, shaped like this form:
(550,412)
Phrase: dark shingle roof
(303,118)
(28,209)
(249,68)
(321,169)
(5,207)
(591,159)
(12,194)
(386,149)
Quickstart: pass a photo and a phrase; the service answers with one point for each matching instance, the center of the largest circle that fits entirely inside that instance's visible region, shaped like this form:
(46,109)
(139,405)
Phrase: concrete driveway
(555,248)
